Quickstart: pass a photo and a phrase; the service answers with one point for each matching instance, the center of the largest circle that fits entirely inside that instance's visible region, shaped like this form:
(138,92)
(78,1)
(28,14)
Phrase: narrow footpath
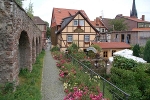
(52,87)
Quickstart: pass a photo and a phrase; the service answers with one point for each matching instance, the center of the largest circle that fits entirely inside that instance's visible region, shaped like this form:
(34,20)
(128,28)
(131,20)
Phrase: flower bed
(78,85)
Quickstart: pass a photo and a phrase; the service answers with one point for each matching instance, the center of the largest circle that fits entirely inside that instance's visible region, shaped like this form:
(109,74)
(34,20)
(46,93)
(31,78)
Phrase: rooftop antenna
(102,14)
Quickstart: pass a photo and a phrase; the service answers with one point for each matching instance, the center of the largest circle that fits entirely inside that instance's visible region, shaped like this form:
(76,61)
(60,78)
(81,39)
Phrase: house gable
(78,16)
(86,27)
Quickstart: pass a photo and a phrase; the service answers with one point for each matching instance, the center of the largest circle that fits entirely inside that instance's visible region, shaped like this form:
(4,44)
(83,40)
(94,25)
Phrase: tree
(29,10)
(136,50)
(48,32)
(146,51)
(118,25)
(19,2)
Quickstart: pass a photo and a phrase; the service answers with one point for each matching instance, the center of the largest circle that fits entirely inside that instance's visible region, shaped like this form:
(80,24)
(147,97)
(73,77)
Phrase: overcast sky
(93,8)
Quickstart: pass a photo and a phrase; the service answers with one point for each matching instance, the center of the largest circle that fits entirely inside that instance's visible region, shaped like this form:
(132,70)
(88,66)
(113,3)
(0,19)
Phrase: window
(86,38)
(103,30)
(113,51)
(105,54)
(81,22)
(122,37)
(128,38)
(116,35)
(78,22)
(75,23)
(69,38)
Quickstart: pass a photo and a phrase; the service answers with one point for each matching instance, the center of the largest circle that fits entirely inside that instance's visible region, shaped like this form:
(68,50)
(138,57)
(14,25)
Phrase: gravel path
(52,87)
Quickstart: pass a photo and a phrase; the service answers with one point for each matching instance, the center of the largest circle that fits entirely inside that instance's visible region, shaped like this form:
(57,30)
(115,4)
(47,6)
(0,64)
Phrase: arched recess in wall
(24,51)
(33,52)
(40,44)
(37,47)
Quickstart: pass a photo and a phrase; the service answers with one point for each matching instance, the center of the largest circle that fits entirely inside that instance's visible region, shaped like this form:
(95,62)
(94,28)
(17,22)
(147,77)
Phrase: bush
(73,48)
(146,51)
(55,48)
(125,79)
(134,81)
(136,50)
(124,63)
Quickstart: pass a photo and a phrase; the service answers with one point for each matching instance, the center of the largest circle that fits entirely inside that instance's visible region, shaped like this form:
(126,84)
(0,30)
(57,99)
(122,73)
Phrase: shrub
(146,51)
(55,48)
(124,63)
(73,48)
(136,50)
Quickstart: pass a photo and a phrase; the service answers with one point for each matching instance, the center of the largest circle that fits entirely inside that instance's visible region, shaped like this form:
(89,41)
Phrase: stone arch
(24,51)
(37,47)
(39,43)
(33,52)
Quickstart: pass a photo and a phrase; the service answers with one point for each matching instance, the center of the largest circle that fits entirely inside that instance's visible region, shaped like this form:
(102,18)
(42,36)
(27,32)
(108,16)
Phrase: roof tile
(112,45)
(38,20)
(61,13)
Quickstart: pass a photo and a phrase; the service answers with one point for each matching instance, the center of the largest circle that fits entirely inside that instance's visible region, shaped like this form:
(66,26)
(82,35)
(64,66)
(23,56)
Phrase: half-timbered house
(71,26)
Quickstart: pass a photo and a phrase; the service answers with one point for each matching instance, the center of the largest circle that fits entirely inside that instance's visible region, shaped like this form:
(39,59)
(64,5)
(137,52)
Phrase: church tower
(133,13)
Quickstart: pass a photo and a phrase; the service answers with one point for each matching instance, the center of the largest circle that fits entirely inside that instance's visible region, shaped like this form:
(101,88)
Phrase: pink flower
(61,74)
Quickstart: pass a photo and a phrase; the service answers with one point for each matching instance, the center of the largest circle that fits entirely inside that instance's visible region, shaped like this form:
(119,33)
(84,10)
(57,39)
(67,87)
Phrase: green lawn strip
(29,87)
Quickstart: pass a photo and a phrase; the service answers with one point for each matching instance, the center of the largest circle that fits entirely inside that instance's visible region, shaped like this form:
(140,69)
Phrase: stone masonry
(20,41)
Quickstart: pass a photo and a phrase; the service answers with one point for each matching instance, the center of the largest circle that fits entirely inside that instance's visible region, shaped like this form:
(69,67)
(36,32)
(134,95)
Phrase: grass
(29,87)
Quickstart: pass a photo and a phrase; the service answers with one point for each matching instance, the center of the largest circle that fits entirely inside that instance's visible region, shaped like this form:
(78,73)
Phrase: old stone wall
(20,41)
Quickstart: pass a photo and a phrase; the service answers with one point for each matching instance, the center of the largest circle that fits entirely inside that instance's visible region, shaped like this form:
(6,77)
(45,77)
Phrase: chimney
(97,19)
(100,17)
(143,17)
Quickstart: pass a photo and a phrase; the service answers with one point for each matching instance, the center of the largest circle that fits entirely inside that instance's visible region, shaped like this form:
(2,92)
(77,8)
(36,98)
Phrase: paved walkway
(52,87)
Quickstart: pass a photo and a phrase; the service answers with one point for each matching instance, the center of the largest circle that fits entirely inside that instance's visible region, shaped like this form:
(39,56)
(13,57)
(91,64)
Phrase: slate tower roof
(133,13)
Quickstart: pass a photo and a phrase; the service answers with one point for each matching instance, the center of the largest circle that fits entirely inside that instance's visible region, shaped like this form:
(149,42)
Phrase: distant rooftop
(38,20)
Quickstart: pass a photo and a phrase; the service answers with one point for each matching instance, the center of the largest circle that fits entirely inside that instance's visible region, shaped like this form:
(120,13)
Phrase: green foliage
(19,2)
(87,63)
(136,50)
(97,47)
(55,48)
(29,87)
(142,51)
(118,25)
(124,63)
(48,32)
(73,48)
(134,81)
(79,55)
(29,10)
(9,87)
(125,80)
(91,54)
(146,51)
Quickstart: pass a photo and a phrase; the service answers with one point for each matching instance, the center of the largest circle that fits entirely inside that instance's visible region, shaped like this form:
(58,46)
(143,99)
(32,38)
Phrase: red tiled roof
(38,20)
(134,19)
(112,45)
(141,29)
(61,13)
(99,22)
